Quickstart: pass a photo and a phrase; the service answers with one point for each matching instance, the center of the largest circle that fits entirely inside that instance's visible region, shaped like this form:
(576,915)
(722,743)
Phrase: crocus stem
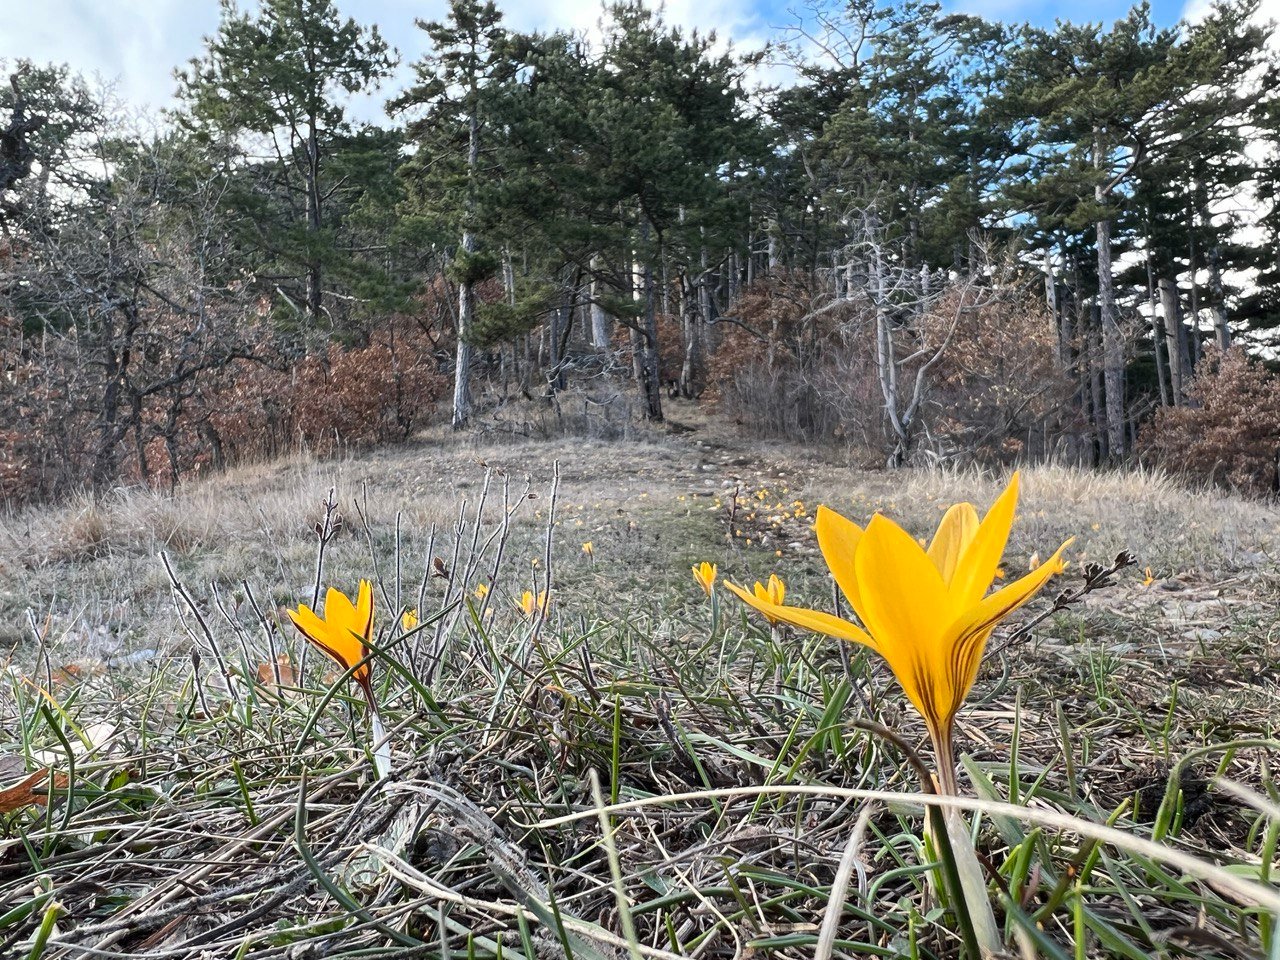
(959,860)
(945,758)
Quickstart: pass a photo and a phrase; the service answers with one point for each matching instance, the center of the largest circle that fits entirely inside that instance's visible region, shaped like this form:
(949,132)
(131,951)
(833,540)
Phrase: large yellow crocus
(344,632)
(927,612)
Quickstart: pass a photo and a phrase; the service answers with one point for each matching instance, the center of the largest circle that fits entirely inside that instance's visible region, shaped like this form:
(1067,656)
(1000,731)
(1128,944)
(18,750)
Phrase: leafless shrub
(977,376)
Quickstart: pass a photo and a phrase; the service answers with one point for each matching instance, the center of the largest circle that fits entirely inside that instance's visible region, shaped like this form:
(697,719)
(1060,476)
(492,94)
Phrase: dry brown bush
(999,392)
(343,398)
(1229,433)
(793,369)
(242,411)
(783,370)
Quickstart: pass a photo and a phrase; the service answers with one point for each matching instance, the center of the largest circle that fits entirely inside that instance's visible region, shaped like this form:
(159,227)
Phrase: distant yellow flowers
(926,612)
(409,619)
(481,591)
(705,575)
(344,632)
(589,549)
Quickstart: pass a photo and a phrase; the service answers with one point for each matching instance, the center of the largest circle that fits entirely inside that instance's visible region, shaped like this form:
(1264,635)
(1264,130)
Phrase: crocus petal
(955,532)
(341,645)
(806,619)
(975,625)
(981,558)
(905,606)
(311,626)
(902,599)
(339,612)
(838,539)
(364,610)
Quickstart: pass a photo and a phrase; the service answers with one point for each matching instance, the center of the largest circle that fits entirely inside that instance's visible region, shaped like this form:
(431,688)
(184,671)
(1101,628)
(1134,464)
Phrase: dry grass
(207,818)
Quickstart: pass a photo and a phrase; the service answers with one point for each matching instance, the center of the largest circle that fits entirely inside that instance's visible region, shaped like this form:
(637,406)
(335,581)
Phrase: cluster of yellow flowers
(765,523)
(346,628)
(927,610)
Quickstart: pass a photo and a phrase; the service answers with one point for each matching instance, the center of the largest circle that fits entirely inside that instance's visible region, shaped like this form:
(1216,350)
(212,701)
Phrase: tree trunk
(1156,335)
(313,201)
(1193,267)
(1051,304)
(599,319)
(691,369)
(466,294)
(1097,394)
(217,458)
(634,289)
(650,371)
(887,365)
(1222,332)
(466,320)
(1112,344)
(1173,339)
(706,334)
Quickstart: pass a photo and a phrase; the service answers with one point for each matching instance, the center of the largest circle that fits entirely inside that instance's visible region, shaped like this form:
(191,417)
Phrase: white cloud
(137,43)
(135,46)
(1268,14)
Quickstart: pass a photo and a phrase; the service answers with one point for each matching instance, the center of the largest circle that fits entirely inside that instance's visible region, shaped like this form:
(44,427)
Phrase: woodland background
(944,239)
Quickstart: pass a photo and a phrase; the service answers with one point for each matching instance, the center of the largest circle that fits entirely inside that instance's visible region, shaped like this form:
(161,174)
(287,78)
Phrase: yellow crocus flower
(344,632)
(481,591)
(774,592)
(530,604)
(927,612)
(409,619)
(771,594)
(589,549)
(705,574)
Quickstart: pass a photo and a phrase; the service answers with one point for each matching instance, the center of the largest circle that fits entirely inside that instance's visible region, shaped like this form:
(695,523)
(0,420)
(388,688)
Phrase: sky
(134,45)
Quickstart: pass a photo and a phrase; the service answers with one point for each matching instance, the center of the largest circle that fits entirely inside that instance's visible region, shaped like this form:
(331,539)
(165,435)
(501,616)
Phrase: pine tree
(281,74)
(455,106)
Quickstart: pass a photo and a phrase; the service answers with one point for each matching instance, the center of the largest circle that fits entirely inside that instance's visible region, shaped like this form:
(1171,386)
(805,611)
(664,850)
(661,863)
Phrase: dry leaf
(267,676)
(29,791)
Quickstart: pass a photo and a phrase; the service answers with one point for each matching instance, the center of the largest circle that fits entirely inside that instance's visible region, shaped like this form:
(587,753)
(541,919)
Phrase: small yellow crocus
(409,619)
(705,575)
(927,612)
(771,594)
(774,592)
(530,604)
(343,632)
(589,549)
(481,591)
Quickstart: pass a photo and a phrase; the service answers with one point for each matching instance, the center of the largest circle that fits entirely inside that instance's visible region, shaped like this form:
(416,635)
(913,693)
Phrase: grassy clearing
(207,815)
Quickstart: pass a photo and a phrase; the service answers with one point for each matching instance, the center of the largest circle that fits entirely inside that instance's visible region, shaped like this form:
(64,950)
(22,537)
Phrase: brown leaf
(29,791)
(267,676)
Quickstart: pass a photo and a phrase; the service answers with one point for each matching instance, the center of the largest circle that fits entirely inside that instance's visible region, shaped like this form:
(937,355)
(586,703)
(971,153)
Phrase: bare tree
(902,303)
